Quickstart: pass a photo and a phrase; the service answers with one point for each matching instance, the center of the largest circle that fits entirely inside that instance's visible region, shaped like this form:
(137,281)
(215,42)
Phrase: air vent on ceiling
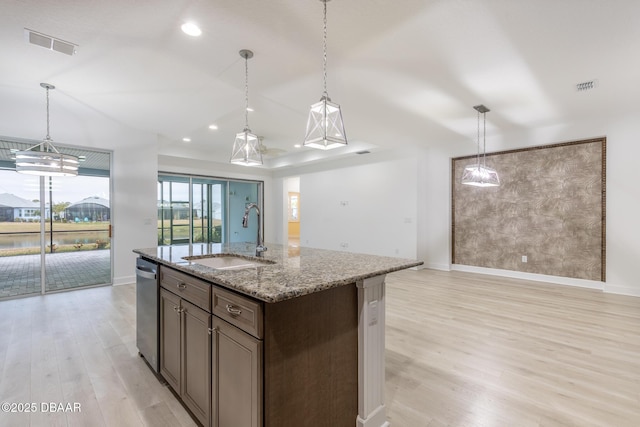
(49,42)
(363,152)
(588,85)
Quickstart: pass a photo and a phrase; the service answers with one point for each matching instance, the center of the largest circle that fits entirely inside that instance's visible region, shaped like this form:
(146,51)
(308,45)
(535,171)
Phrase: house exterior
(88,209)
(14,208)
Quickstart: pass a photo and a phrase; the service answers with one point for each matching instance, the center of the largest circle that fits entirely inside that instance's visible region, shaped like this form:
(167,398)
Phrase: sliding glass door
(205,209)
(54,231)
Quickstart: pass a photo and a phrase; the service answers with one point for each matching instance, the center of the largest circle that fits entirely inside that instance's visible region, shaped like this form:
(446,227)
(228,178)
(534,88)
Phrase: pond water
(32,240)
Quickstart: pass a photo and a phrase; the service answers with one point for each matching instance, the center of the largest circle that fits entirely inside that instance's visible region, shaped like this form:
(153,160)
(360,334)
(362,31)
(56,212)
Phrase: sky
(65,189)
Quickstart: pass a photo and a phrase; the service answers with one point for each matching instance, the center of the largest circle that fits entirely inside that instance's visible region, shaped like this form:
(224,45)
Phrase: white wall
(134,212)
(364,204)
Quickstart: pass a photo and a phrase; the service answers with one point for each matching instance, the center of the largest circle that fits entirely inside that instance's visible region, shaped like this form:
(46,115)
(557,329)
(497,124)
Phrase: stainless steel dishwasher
(147,320)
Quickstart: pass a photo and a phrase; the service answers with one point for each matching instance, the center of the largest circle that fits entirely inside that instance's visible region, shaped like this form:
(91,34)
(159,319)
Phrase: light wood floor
(80,347)
(474,350)
(462,350)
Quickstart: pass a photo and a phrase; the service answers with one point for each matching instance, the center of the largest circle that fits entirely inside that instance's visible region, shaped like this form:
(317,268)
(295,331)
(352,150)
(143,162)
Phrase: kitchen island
(295,337)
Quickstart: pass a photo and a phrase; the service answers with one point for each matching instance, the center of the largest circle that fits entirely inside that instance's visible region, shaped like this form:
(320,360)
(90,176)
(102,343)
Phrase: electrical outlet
(344,245)
(524,258)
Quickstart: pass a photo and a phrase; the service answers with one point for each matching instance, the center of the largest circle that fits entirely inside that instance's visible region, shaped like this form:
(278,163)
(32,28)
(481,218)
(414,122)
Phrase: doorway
(55,232)
(293,205)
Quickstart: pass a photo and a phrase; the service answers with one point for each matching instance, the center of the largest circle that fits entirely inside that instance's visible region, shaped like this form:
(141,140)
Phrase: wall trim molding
(622,290)
(568,281)
(124,280)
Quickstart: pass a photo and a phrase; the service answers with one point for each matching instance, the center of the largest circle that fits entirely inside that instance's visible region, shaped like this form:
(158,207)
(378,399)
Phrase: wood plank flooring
(462,350)
(80,347)
(473,350)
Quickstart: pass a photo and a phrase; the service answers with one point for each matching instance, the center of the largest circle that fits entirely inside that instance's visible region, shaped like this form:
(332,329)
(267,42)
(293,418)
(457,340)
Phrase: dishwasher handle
(145,273)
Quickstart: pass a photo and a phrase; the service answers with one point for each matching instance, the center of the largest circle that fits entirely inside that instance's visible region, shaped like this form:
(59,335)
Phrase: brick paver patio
(20,275)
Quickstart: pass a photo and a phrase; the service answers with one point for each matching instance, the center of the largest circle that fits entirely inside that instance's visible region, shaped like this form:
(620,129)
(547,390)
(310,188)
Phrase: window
(76,216)
(197,209)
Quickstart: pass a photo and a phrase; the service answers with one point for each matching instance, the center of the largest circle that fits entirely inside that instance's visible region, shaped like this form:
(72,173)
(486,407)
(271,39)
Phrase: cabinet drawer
(191,289)
(238,310)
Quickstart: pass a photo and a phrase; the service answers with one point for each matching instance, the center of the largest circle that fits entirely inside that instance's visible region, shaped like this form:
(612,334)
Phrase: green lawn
(27,227)
(34,227)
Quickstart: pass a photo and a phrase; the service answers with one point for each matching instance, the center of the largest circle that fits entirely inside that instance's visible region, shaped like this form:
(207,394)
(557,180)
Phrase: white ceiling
(406,73)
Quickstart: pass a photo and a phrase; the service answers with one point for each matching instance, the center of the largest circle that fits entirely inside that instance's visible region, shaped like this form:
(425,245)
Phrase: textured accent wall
(550,207)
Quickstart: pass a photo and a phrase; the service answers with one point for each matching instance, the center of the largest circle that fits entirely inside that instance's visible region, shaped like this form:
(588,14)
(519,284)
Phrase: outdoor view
(208,220)
(77,217)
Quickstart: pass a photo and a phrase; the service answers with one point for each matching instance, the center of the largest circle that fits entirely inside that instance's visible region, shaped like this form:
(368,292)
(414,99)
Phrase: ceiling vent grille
(49,42)
(588,85)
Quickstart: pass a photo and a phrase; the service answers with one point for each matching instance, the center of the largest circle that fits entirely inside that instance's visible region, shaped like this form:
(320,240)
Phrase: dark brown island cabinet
(296,339)
(236,361)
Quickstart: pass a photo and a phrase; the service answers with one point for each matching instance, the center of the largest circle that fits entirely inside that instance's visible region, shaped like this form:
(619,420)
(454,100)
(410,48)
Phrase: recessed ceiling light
(213,127)
(186,139)
(297,146)
(249,109)
(191,29)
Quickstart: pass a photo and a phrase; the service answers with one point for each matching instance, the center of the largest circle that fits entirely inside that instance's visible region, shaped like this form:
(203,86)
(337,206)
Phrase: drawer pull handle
(233,310)
(181,286)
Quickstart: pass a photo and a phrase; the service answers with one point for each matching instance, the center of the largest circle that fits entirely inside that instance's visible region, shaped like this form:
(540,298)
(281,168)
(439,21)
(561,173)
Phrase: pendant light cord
(246,92)
(48,138)
(478,144)
(484,140)
(324,49)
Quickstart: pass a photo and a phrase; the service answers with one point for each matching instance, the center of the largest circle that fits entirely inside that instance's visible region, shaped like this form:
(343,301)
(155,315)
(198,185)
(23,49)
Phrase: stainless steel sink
(229,262)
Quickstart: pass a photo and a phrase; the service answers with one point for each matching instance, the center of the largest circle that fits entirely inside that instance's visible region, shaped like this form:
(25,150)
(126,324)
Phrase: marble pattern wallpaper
(550,207)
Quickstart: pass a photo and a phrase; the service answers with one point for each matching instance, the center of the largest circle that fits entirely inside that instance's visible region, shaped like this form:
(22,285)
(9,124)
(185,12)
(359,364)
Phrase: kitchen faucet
(260,248)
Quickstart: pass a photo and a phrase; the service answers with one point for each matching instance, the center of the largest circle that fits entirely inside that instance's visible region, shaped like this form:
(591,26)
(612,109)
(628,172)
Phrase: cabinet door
(170,338)
(237,377)
(196,361)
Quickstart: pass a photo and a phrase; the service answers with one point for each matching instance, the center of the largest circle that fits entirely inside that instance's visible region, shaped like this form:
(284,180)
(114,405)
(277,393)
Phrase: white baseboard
(436,266)
(591,284)
(125,280)
(621,290)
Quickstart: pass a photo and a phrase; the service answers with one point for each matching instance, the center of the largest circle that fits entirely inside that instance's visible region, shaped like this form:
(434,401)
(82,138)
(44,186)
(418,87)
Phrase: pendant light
(325,129)
(246,149)
(479,175)
(46,160)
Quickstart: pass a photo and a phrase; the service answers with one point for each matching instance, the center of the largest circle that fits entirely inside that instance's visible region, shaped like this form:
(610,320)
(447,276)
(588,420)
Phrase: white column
(371,374)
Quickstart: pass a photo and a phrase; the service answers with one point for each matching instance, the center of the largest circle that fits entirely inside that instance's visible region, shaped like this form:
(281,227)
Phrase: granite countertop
(296,271)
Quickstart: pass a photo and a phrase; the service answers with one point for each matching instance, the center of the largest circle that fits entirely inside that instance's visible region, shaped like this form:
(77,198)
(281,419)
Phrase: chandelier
(479,174)
(44,159)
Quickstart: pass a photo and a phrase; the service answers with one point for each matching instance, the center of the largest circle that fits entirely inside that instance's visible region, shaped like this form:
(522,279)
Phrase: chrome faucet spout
(260,248)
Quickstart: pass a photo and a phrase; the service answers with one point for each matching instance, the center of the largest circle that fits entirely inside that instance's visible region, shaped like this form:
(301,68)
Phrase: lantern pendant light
(246,147)
(46,160)
(325,129)
(479,175)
